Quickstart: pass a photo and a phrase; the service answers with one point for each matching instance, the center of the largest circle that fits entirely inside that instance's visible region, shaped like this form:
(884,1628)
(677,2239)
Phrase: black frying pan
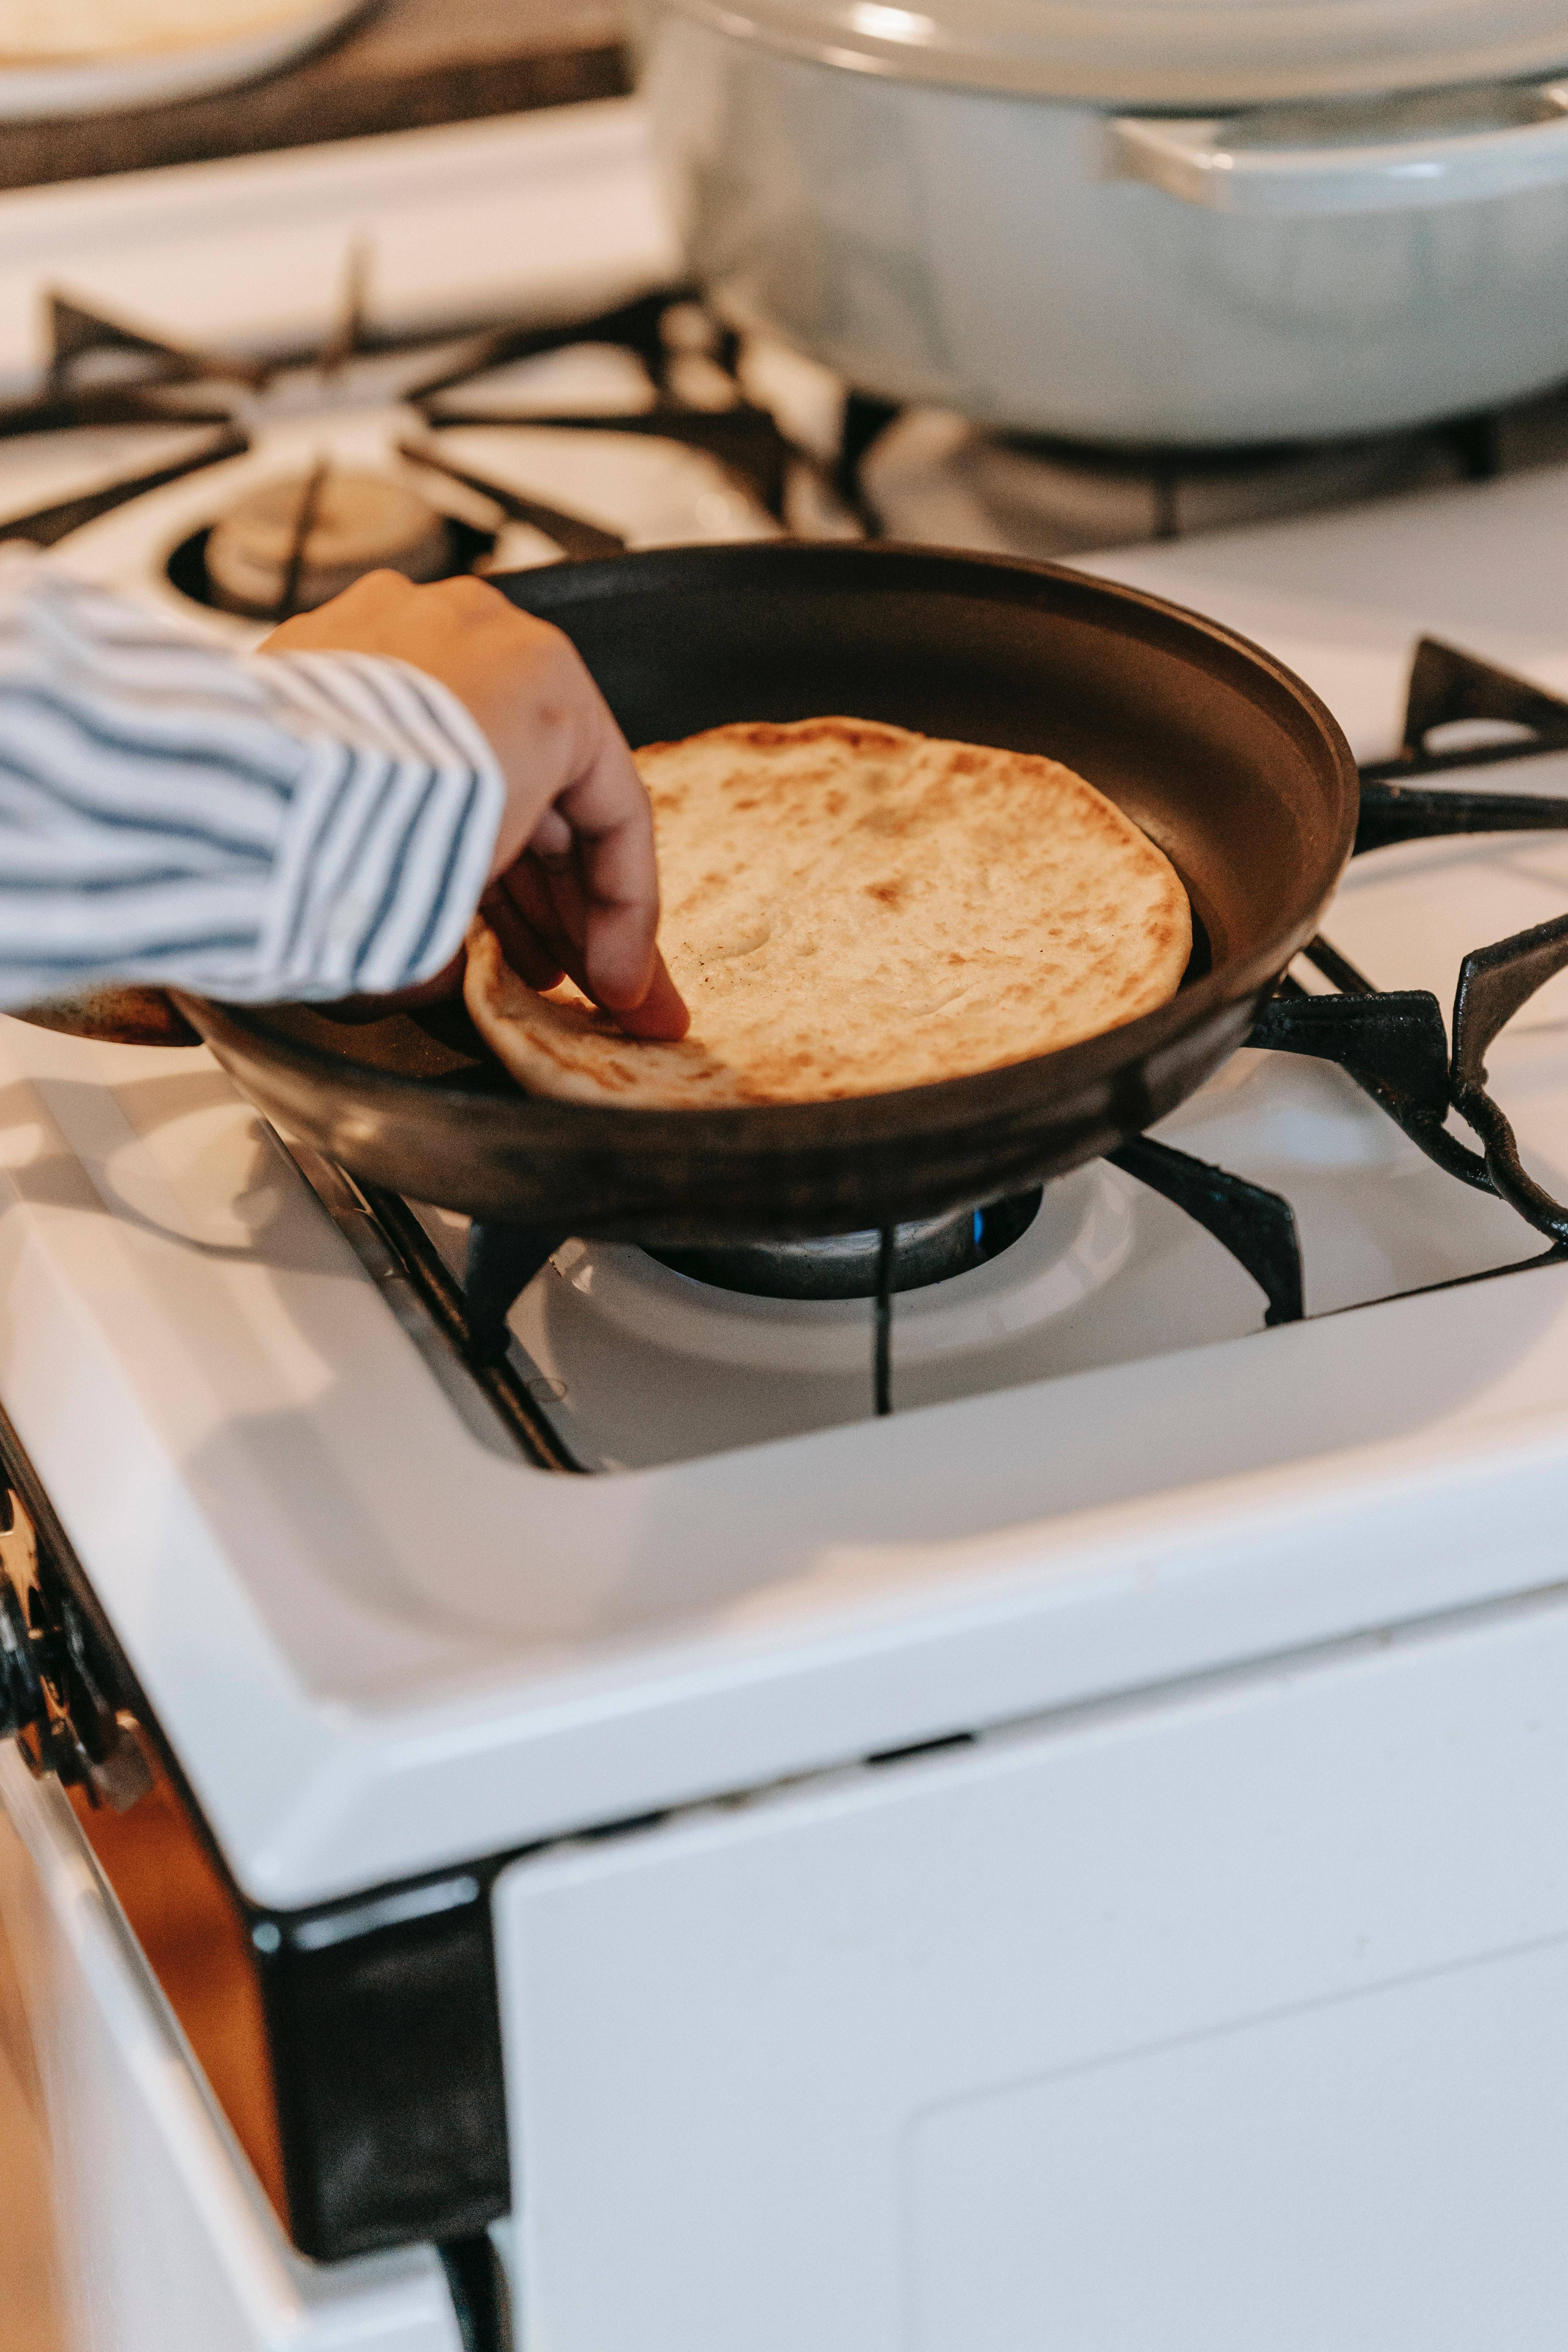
(1229,762)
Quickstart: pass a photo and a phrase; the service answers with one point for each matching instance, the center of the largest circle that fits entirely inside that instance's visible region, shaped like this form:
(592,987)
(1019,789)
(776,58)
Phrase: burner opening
(458,547)
(843,1266)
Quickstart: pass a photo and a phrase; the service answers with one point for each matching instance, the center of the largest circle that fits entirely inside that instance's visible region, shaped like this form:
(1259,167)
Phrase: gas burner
(293,543)
(489,489)
(158,547)
(926,475)
(848,1266)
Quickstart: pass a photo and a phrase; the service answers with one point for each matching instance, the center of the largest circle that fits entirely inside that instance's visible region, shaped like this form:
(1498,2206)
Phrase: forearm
(291,825)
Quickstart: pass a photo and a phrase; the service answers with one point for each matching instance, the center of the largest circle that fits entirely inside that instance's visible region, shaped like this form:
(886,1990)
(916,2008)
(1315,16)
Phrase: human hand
(573,885)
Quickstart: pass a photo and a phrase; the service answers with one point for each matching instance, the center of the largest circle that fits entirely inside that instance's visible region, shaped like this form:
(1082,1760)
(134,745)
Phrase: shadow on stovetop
(99,1174)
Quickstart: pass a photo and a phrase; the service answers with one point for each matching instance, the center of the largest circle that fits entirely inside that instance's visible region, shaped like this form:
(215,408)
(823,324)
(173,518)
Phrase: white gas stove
(1072,1861)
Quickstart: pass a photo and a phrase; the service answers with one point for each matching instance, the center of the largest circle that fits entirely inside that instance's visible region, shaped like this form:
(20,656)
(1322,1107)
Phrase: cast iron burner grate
(1393,1041)
(1474,447)
(145,366)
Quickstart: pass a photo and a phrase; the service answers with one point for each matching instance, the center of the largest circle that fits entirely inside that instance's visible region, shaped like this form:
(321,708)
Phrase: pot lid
(1167,54)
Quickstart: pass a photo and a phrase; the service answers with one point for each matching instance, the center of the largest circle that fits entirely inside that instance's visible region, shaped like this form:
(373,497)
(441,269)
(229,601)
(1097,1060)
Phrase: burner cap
(843,1266)
(363,522)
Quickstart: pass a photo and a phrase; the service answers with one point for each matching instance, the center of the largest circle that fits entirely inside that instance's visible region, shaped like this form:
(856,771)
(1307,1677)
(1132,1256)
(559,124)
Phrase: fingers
(588,890)
(617,875)
(552,837)
(524,946)
(360,617)
(663,1011)
(550,907)
(541,918)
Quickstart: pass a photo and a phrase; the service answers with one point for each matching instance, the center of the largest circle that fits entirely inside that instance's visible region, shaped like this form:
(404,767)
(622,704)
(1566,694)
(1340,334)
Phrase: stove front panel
(1238,2017)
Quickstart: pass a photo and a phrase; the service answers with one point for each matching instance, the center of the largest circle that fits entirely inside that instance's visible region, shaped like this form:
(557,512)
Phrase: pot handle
(1299,161)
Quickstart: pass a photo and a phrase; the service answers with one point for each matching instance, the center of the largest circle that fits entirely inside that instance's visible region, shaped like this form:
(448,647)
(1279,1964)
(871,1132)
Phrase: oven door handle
(1398,156)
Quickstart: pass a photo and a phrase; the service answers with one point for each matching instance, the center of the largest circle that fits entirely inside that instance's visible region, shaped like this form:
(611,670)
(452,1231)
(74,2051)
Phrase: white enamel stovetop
(552,212)
(379,1643)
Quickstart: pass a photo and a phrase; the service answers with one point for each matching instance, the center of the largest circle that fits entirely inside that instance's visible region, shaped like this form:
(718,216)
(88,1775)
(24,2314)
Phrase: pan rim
(971,1099)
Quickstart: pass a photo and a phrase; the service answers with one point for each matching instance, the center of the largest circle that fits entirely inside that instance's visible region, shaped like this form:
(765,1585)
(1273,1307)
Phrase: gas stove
(826,1874)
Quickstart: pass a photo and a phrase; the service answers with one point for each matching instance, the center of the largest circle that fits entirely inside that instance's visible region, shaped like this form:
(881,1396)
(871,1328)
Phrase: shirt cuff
(390,831)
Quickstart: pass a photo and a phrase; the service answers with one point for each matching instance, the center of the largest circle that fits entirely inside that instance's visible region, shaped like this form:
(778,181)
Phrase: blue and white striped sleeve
(253,827)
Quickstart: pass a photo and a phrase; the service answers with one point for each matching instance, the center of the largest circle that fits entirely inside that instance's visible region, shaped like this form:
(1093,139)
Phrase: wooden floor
(184,1918)
(30,2318)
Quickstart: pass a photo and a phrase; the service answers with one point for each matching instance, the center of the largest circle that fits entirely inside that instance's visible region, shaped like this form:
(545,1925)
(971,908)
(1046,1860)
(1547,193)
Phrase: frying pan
(1231,764)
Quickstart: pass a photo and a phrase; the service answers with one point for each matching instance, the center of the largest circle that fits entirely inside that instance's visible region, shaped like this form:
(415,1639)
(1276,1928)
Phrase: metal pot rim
(1156,54)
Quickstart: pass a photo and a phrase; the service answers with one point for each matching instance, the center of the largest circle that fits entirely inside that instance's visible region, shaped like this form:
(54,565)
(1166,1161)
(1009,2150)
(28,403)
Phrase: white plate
(116,84)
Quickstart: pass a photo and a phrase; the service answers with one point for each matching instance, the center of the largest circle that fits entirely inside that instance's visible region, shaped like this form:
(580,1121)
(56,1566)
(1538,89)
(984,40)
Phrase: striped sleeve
(261,827)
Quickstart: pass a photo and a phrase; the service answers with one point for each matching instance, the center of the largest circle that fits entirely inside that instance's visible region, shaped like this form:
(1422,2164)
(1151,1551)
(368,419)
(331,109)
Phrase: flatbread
(849,908)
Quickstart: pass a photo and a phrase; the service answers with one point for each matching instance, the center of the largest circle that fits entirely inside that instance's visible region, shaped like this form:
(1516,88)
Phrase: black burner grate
(146,367)
(1394,1042)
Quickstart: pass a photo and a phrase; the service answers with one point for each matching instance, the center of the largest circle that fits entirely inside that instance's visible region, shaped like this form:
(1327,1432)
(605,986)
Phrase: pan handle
(114,1016)
(1396,154)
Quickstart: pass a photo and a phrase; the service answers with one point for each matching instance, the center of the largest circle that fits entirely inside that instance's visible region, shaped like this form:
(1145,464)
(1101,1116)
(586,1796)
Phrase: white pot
(1290,271)
(1192,54)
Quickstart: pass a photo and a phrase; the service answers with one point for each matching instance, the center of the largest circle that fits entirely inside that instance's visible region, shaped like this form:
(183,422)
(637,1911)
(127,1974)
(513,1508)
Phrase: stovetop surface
(548,214)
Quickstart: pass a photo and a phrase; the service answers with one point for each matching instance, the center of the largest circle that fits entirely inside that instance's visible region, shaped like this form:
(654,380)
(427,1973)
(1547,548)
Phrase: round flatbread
(849,908)
(35,30)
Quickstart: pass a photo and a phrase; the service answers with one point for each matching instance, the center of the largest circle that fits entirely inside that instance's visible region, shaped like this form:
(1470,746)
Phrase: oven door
(140,2227)
(1227,2017)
